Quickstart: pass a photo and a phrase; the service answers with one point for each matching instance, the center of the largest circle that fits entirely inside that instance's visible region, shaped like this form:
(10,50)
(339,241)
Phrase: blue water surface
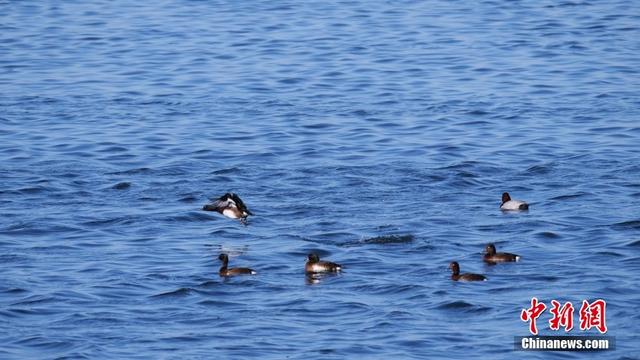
(379,134)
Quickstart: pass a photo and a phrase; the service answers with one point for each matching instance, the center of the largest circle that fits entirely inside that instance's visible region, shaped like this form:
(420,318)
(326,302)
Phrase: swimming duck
(508,204)
(455,269)
(225,271)
(314,265)
(230,206)
(491,256)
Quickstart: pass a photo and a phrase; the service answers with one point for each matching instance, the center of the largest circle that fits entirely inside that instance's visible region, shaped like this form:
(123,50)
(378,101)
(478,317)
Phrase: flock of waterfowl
(231,206)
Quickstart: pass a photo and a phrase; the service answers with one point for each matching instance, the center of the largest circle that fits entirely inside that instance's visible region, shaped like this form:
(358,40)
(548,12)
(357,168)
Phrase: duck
(314,265)
(225,271)
(455,276)
(509,204)
(491,256)
(229,205)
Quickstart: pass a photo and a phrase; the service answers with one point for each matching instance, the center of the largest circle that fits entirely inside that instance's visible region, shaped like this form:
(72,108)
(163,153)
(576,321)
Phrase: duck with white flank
(509,204)
(230,206)
(315,266)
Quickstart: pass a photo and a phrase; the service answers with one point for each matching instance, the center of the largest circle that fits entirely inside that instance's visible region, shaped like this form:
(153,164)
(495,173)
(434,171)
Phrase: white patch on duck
(231,213)
(509,204)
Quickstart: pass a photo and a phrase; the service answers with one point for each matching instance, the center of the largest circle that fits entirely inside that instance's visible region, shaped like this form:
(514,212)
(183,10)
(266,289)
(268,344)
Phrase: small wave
(570,197)
(43,343)
(194,216)
(143,170)
(122,220)
(456,305)
(15,291)
(547,235)
(609,253)
(37,229)
(121,185)
(460,305)
(33,190)
(475,123)
(634,243)
(33,300)
(216,303)
(540,169)
(477,112)
(188,199)
(12,258)
(389,239)
(182,292)
(231,170)
(631,224)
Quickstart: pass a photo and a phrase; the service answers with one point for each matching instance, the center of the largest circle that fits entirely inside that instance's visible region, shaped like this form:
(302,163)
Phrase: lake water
(379,134)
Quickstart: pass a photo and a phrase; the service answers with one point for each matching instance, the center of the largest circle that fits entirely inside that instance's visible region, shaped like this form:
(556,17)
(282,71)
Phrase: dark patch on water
(383,240)
(456,305)
(179,293)
(635,243)
(389,239)
(122,185)
(631,224)
(569,197)
(548,235)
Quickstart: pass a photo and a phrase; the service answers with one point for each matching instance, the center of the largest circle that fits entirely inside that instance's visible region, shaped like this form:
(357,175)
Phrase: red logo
(531,314)
(561,316)
(591,315)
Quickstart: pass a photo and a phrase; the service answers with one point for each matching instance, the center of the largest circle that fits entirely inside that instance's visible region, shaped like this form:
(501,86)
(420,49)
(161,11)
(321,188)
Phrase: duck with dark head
(455,274)
(315,266)
(226,271)
(231,206)
(509,204)
(492,257)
